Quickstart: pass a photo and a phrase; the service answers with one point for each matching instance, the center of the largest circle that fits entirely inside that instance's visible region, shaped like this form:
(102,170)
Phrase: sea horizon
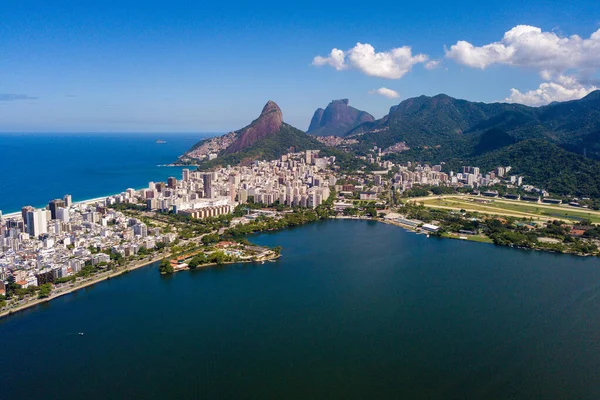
(87,166)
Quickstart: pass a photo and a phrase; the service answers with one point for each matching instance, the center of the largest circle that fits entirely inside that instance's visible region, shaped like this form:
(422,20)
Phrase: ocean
(353,310)
(37,168)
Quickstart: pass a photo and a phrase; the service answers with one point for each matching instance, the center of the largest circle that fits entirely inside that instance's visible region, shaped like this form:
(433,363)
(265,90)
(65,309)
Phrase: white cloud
(392,64)
(335,60)
(433,64)
(528,46)
(389,93)
(562,89)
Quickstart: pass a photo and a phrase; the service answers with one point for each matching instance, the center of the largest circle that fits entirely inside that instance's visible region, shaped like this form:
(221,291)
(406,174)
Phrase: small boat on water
(161,141)
(80,333)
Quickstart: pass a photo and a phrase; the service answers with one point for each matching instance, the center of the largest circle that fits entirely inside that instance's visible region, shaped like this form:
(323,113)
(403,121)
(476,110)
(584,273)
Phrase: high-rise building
(172,182)
(24,212)
(68,200)
(208,186)
(55,205)
(36,222)
(185,174)
(309,157)
(63,215)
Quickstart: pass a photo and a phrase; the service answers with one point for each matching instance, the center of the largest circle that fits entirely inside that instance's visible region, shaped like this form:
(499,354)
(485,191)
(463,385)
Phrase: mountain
(268,123)
(337,119)
(455,127)
(267,137)
(565,174)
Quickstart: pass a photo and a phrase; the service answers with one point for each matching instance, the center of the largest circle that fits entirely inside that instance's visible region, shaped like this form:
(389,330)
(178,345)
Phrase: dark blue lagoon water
(353,310)
(37,168)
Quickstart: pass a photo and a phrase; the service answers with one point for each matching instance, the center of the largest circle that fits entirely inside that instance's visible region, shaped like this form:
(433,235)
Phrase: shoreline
(113,274)
(466,239)
(134,266)
(227,263)
(83,284)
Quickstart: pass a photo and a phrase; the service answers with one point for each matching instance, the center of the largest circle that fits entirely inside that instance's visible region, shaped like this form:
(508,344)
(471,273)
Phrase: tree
(211,238)
(45,290)
(199,259)
(11,287)
(371,212)
(165,267)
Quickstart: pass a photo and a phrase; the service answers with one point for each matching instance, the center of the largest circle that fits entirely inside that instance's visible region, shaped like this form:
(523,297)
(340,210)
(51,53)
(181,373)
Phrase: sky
(127,66)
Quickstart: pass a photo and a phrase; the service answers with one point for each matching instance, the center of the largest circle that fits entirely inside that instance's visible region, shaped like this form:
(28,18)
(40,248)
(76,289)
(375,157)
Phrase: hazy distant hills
(267,137)
(337,119)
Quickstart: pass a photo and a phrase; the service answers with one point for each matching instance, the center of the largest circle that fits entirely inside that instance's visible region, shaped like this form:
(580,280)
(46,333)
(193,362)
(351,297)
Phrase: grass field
(473,238)
(519,209)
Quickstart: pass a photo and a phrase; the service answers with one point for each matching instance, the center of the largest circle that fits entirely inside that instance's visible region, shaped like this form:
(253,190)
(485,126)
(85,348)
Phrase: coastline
(270,259)
(140,264)
(112,274)
(83,284)
(466,238)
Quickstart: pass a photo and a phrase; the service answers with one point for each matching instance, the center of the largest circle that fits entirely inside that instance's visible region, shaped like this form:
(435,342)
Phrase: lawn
(523,209)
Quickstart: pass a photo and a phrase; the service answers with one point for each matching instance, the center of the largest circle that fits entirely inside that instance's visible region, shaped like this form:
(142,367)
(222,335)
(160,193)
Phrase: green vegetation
(165,267)
(45,290)
(210,238)
(568,173)
(268,148)
(129,206)
(199,259)
(515,208)
(508,231)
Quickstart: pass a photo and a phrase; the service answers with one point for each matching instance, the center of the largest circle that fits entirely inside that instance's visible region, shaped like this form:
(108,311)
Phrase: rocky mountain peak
(337,119)
(268,123)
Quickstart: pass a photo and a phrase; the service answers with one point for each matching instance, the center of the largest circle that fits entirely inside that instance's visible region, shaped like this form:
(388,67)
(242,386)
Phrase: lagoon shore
(81,285)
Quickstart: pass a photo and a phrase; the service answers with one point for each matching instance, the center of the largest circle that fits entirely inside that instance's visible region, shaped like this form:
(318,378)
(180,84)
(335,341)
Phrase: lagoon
(353,309)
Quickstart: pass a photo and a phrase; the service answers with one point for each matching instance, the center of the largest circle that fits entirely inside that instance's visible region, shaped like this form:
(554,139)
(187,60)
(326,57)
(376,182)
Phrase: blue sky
(123,66)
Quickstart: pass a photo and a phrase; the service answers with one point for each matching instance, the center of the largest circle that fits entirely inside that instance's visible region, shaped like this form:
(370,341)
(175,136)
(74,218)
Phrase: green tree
(165,267)
(45,290)
(211,238)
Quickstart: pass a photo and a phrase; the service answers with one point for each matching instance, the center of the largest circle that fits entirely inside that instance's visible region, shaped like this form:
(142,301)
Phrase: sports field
(513,208)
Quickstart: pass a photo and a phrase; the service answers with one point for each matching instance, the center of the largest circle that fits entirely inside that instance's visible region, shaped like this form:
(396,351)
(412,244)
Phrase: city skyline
(209,68)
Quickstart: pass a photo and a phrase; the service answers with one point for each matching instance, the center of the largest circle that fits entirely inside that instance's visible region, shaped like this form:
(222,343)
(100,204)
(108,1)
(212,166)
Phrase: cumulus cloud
(15,97)
(389,93)
(528,46)
(392,64)
(335,60)
(562,89)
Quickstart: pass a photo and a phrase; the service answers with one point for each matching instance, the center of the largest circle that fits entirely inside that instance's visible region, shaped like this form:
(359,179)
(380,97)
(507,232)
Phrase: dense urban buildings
(42,245)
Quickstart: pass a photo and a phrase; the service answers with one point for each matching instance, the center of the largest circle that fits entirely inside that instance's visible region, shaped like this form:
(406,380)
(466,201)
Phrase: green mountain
(548,166)
(267,137)
(460,128)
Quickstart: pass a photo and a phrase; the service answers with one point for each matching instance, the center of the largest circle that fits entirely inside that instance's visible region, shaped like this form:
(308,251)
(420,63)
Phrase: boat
(80,333)
(161,141)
